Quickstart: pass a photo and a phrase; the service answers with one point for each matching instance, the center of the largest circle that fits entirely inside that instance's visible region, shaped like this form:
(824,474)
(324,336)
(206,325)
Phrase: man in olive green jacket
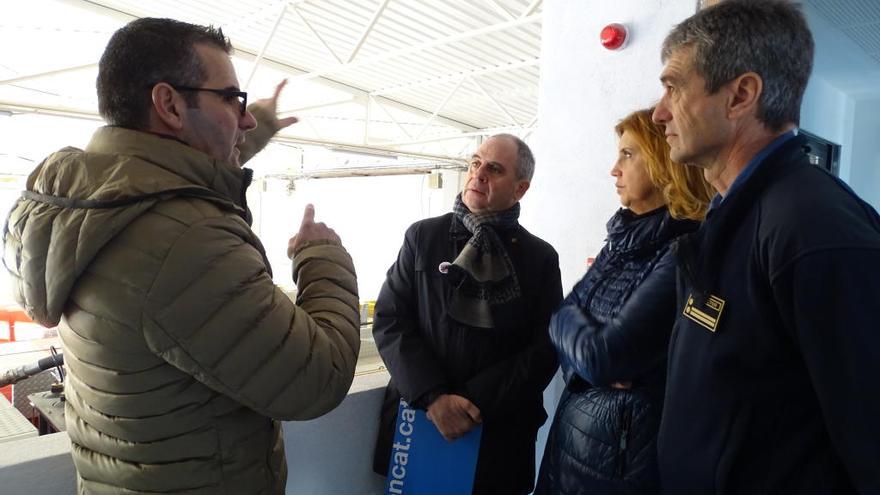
(182,352)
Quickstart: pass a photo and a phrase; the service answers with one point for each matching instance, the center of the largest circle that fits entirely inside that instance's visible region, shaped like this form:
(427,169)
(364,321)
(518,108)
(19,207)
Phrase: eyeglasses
(226,94)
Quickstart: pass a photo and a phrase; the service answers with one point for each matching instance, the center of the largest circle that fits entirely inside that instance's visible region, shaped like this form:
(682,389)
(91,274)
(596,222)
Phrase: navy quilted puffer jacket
(614,327)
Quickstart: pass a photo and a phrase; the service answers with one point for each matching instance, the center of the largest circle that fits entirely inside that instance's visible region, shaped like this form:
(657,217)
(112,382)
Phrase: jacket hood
(78,200)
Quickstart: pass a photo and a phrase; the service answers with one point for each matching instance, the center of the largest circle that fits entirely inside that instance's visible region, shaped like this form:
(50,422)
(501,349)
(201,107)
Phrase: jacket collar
(185,162)
(630,234)
(699,253)
(751,167)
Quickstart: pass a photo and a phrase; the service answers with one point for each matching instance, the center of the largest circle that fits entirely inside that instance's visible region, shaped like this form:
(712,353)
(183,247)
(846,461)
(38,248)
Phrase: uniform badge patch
(706,315)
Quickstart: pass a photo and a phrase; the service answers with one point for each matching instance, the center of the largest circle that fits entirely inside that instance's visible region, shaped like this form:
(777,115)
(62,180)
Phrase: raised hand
(310,231)
(271,106)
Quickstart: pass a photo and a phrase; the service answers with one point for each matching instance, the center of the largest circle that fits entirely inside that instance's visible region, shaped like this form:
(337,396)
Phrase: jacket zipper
(625,425)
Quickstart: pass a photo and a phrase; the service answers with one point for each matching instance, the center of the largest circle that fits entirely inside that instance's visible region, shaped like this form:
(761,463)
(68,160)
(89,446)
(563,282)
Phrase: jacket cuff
(257,139)
(316,242)
(428,398)
(323,251)
(468,394)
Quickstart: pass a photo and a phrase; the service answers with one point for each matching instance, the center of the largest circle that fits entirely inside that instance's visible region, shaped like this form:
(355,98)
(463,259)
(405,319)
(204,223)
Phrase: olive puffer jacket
(182,353)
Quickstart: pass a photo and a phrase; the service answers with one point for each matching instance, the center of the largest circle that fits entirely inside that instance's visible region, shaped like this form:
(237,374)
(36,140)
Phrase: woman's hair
(684,189)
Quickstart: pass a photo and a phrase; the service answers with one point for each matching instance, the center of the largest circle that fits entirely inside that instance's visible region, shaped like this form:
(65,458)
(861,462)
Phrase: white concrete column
(585,90)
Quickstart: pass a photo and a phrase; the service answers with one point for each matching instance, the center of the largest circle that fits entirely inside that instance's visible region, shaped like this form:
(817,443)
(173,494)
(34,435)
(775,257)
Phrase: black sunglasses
(226,94)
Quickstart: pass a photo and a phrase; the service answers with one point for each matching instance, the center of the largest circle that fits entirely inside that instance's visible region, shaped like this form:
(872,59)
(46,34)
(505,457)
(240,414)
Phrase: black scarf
(482,275)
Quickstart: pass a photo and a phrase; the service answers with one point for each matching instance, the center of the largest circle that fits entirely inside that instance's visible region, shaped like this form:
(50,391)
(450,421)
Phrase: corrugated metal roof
(857,19)
(393,63)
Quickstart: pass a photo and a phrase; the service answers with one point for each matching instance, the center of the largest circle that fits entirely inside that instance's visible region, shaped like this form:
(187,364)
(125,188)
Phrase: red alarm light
(613,36)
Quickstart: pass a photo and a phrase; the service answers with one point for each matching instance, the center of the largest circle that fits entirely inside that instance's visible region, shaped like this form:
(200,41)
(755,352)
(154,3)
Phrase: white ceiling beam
(530,127)
(316,106)
(530,9)
(56,111)
(281,12)
(311,126)
(501,10)
(453,77)
(104,10)
(245,22)
(495,101)
(376,15)
(20,108)
(356,148)
(366,138)
(38,75)
(317,35)
(332,69)
(369,171)
(354,91)
(245,53)
(390,116)
(447,137)
(440,107)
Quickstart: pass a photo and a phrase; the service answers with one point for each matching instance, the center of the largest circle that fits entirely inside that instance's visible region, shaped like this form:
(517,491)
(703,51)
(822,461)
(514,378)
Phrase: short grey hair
(768,37)
(525,160)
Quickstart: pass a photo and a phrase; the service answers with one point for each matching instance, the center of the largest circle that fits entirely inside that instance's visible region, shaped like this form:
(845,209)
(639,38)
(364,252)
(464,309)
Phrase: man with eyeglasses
(182,352)
(461,323)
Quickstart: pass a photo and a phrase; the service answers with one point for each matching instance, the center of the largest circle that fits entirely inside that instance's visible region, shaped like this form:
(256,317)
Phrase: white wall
(828,113)
(585,90)
(865,173)
(841,104)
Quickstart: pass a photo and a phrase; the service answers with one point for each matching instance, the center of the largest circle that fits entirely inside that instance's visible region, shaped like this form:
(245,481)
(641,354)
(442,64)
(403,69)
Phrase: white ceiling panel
(408,54)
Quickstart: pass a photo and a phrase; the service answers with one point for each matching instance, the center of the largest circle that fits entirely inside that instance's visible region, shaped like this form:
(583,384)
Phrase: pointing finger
(308,215)
(287,121)
(279,88)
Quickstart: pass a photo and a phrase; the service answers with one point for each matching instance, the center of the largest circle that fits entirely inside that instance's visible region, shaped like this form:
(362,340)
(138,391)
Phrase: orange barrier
(11,316)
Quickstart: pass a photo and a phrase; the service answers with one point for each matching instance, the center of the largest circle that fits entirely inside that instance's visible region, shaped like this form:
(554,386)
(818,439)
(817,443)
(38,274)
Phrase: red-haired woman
(611,333)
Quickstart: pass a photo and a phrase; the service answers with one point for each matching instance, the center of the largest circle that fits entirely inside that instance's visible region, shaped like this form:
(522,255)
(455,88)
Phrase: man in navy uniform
(773,368)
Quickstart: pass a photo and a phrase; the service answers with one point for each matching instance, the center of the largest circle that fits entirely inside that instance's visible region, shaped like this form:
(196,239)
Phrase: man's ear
(521,188)
(745,94)
(168,105)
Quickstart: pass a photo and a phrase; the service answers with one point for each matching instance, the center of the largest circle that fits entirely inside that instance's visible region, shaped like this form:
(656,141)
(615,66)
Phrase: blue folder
(424,463)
